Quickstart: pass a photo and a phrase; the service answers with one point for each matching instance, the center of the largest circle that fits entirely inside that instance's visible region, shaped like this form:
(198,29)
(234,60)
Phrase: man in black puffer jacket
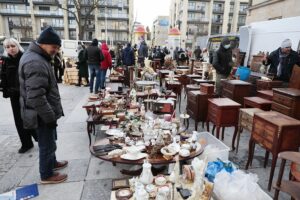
(222,62)
(40,101)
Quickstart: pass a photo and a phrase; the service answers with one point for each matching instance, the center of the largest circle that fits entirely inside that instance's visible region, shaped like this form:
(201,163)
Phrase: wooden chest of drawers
(197,106)
(207,88)
(276,133)
(265,94)
(267,85)
(223,112)
(287,101)
(236,90)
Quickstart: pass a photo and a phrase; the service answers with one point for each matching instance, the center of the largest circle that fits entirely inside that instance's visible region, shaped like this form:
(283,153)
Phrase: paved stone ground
(89,177)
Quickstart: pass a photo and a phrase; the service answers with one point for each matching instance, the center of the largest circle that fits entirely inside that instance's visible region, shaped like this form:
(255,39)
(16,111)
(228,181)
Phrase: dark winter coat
(95,55)
(107,62)
(10,76)
(287,66)
(39,95)
(82,63)
(143,50)
(222,60)
(128,56)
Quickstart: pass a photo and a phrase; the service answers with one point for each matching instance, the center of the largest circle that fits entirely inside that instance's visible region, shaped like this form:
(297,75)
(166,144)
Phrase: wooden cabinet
(274,132)
(265,94)
(223,112)
(287,101)
(197,106)
(267,84)
(236,90)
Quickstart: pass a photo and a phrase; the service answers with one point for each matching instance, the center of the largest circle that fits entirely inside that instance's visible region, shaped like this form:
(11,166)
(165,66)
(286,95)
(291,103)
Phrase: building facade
(160,29)
(261,10)
(110,21)
(199,18)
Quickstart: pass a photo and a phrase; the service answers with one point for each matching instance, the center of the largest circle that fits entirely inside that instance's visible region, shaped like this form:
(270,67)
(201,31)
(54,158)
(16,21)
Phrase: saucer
(133,157)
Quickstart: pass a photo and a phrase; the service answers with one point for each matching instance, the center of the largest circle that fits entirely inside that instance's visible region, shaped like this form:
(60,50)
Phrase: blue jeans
(102,77)
(94,71)
(47,148)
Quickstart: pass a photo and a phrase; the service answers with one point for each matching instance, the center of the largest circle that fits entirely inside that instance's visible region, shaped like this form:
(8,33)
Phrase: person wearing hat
(282,61)
(41,103)
(222,62)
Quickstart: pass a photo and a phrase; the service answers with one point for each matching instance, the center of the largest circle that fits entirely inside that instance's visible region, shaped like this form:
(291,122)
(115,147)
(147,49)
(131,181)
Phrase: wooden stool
(274,132)
(265,94)
(245,122)
(223,112)
(257,102)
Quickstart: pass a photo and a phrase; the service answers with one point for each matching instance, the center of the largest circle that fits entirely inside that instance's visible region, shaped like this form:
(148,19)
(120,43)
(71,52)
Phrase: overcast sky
(145,11)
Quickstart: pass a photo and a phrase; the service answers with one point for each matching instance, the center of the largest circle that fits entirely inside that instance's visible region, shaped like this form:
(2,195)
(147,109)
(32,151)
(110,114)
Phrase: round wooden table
(158,160)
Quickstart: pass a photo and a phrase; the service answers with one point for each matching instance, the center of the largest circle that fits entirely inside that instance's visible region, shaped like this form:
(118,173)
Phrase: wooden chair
(292,186)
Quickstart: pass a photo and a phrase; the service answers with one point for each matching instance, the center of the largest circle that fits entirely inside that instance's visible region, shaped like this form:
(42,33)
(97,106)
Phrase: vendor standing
(282,60)
(222,62)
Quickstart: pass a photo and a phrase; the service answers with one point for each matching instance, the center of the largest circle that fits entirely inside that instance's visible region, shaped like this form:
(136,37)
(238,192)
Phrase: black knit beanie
(49,36)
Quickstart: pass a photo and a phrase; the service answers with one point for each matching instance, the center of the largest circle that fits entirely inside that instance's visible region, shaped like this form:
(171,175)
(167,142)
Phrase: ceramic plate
(131,157)
(114,132)
(168,151)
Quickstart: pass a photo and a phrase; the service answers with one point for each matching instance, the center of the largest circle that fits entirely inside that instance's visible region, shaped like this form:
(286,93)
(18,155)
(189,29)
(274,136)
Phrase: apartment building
(199,18)
(25,19)
(261,10)
(160,29)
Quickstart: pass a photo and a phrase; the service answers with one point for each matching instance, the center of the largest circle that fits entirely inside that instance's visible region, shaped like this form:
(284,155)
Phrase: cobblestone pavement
(89,178)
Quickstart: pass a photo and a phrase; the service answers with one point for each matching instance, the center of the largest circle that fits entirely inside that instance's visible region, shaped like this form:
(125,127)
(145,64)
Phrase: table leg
(274,160)
(202,124)
(89,131)
(250,153)
(266,159)
(223,130)
(213,130)
(278,184)
(196,125)
(240,130)
(207,125)
(236,131)
(218,132)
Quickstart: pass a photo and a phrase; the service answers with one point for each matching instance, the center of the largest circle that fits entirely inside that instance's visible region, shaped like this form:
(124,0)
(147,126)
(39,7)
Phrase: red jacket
(107,62)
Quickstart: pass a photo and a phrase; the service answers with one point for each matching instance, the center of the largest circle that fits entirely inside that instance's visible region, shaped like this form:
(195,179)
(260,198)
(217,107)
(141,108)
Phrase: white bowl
(184,153)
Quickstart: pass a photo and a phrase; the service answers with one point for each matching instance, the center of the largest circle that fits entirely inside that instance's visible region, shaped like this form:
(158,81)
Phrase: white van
(69,47)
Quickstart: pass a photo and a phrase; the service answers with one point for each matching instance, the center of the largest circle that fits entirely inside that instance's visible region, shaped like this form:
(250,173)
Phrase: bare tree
(82,13)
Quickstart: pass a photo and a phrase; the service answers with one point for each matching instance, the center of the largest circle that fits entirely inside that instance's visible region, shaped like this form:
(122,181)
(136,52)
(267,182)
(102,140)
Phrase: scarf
(282,58)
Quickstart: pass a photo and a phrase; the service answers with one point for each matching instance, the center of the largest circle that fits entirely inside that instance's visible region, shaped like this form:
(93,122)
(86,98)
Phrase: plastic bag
(215,167)
(233,186)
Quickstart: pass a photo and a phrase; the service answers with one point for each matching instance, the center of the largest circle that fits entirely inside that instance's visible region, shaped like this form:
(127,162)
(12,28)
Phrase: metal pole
(106,25)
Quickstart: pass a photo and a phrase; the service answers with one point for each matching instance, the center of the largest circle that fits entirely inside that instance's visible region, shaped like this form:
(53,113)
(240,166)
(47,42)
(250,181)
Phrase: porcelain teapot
(146,176)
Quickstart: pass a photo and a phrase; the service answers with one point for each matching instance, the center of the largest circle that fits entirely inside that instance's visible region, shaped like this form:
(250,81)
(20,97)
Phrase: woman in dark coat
(11,89)
(82,66)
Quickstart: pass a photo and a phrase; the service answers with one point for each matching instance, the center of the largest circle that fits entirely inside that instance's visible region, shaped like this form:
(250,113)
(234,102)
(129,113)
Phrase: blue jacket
(128,56)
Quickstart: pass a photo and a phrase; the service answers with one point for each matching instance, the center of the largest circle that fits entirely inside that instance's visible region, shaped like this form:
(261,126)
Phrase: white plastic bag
(236,185)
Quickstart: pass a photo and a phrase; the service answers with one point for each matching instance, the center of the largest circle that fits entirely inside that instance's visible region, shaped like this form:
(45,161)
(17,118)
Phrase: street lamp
(105,15)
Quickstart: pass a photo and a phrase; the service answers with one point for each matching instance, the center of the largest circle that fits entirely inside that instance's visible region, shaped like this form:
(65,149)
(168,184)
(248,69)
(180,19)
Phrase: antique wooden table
(265,94)
(191,77)
(274,132)
(245,122)
(176,87)
(287,101)
(199,81)
(162,75)
(236,90)
(223,112)
(257,102)
(157,160)
(197,106)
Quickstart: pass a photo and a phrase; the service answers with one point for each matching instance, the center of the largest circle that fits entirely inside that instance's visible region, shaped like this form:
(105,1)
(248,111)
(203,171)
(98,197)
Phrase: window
(191,16)
(231,8)
(215,29)
(72,35)
(230,19)
(243,8)
(192,5)
(44,8)
(242,20)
